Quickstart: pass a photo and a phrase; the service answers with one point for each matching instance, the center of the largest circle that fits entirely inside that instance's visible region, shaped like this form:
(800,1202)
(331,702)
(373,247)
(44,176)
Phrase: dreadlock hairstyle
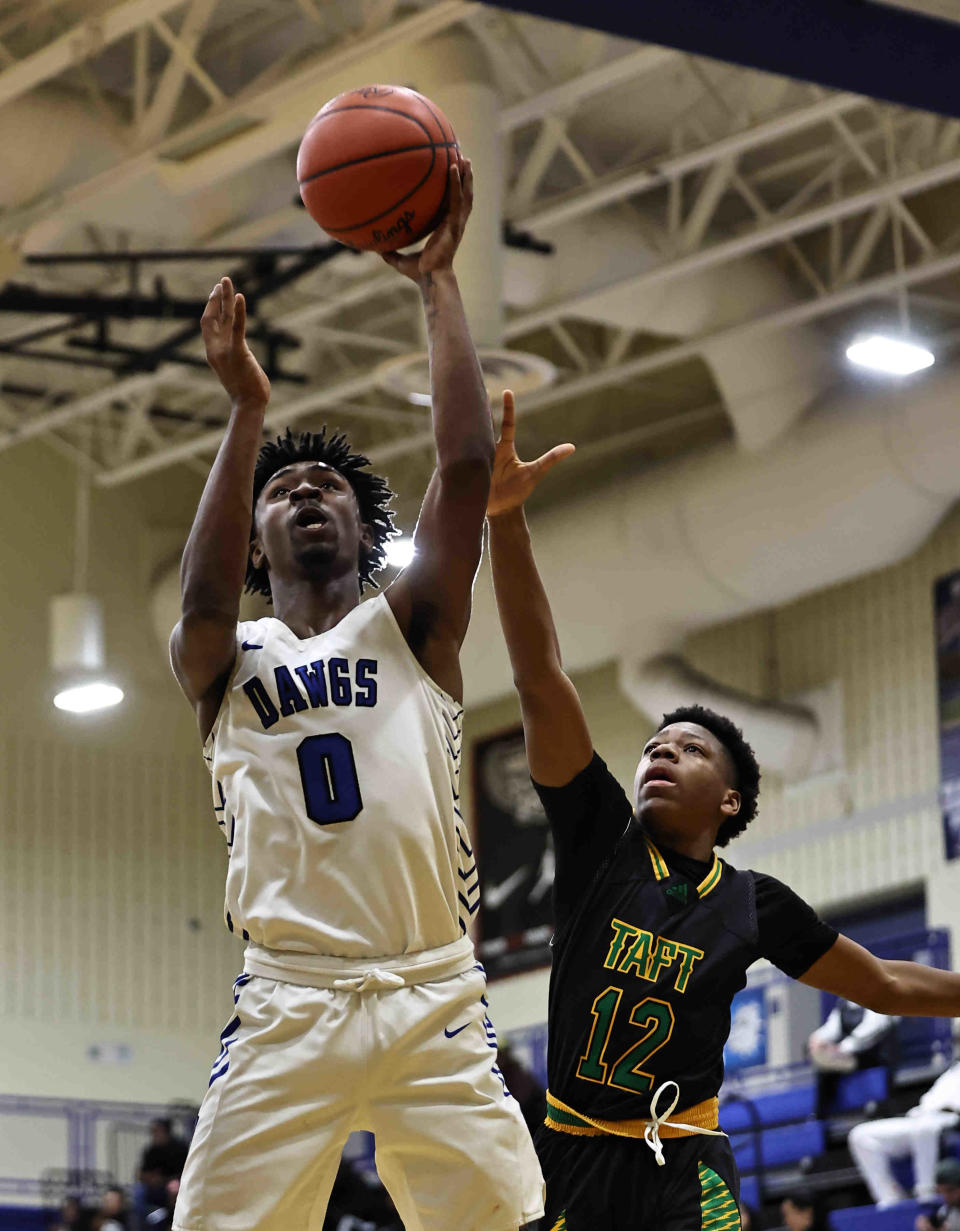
(746,769)
(372,493)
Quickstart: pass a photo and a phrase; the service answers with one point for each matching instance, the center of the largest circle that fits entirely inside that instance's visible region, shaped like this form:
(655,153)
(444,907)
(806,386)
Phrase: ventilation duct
(765,386)
(792,739)
(860,483)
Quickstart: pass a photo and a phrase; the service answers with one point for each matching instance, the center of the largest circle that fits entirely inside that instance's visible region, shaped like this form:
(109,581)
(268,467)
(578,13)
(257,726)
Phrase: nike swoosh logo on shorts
(248,645)
(451,1033)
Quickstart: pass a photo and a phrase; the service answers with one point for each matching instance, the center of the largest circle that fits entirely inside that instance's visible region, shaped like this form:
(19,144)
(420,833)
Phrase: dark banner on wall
(516,858)
(946,598)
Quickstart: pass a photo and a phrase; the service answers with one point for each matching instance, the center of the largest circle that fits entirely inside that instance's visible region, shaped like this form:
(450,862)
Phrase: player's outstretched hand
(513,480)
(439,250)
(223,326)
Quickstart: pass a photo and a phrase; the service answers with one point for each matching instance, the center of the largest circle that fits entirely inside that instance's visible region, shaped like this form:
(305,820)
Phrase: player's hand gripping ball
(374,167)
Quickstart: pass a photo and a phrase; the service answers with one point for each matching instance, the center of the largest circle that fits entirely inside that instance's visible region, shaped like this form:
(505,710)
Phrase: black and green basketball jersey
(644,971)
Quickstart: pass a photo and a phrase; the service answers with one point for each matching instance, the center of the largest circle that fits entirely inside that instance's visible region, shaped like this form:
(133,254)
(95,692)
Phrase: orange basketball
(373,167)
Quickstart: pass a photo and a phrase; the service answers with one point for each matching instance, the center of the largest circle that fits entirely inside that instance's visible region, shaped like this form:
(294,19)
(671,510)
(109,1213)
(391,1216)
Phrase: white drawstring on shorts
(371,981)
(651,1134)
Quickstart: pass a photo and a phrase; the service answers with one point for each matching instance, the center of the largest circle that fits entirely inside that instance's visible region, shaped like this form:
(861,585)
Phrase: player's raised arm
(203,644)
(555,729)
(431,598)
(905,989)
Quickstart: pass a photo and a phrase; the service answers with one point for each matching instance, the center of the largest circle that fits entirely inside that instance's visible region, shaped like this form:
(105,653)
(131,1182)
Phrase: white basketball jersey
(336,782)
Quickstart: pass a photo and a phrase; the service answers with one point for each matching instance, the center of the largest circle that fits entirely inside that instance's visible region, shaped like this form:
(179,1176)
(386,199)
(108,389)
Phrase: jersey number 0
(328,772)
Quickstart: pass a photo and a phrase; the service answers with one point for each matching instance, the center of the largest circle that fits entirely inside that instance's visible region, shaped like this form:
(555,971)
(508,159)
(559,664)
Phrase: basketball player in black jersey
(654,932)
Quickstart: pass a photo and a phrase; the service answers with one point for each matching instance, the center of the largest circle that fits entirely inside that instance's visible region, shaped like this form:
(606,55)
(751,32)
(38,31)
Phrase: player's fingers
(226,301)
(549,459)
(456,194)
(508,422)
(466,177)
(211,309)
(239,316)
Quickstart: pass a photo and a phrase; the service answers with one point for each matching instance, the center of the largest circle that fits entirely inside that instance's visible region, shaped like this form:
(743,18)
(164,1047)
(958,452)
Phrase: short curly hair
(746,769)
(372,493)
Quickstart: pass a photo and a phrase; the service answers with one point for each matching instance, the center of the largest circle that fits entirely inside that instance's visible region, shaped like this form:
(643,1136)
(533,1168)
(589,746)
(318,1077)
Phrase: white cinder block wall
(111,890)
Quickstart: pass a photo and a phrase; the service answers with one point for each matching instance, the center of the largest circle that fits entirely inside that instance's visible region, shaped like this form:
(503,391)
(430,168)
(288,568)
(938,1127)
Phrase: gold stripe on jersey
(561,1223)
(661,871)
(718,1210)
(565,1120)
(712,878)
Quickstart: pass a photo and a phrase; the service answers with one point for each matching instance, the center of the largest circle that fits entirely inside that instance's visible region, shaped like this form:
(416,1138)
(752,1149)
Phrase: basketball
(373,167)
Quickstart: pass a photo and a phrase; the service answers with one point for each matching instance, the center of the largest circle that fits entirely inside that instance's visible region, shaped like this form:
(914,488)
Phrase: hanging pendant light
(76,630)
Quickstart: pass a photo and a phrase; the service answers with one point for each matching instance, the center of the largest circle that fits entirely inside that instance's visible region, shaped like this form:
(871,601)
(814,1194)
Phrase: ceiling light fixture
(76,629)
(893,356)
(85,698)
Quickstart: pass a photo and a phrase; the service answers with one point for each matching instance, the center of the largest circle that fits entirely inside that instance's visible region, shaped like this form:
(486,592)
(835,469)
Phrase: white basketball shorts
(301,1067)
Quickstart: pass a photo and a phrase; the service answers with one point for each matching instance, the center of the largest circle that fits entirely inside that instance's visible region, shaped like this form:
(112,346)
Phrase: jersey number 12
(654,1017)
(328,772)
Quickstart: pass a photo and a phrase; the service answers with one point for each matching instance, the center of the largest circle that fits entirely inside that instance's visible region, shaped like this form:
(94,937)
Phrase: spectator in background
(161,1162)
(112,1214)
(947,1217)
(73,1216)
(851,1038)
(749,1218)
(874,1143)
(800,1211)
(161,1218)
(163,1158)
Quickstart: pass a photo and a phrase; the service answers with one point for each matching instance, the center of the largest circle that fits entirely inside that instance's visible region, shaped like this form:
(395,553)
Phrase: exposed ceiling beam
(207,442)
(116,391)
(84,40)
(589,383)
(633,369)
(655,173)
(276,117)
(880,52)
(570,94)
(182,63)
(753,241)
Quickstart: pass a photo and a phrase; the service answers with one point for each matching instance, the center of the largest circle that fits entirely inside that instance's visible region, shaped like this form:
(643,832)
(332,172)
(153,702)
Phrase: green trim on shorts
(718,1210)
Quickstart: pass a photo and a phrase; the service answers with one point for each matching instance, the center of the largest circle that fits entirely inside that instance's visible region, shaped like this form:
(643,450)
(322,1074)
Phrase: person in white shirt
(917,1134)
(849,1038)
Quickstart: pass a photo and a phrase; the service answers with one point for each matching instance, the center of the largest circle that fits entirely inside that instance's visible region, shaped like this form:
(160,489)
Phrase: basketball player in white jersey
(333,732)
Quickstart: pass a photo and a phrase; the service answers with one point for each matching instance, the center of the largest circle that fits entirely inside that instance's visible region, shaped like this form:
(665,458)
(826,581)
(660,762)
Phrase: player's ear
(258,557)
(366,537)
(730,804)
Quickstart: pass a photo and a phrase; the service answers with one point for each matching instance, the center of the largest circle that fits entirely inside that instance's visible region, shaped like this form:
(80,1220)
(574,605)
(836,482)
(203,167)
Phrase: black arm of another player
(431,598)
(203,644)
(554,727)
(904,989)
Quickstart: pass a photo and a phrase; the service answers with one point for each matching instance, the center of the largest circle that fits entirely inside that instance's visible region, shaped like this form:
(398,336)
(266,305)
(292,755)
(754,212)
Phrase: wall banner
(946,599)
(515,851)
